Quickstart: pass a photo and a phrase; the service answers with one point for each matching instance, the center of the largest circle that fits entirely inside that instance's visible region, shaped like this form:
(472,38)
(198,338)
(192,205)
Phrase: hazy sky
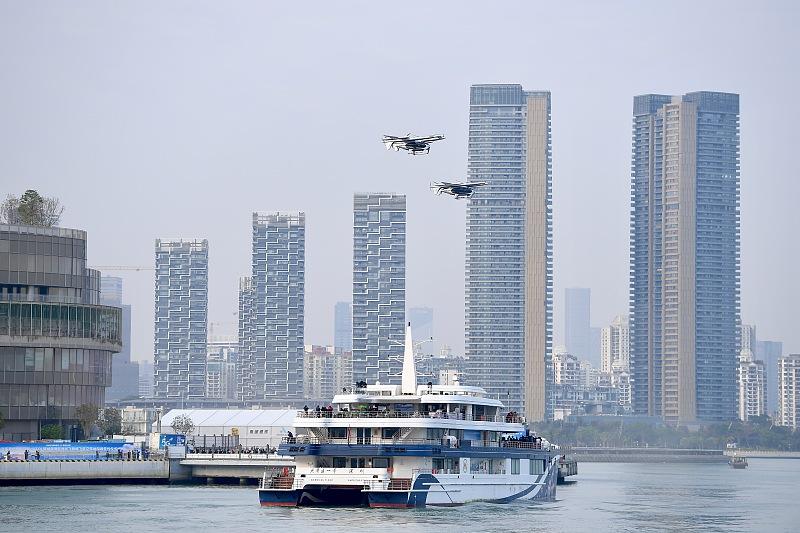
(179,119)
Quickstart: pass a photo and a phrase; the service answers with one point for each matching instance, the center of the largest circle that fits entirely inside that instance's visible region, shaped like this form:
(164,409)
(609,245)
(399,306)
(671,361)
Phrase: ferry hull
(454,490)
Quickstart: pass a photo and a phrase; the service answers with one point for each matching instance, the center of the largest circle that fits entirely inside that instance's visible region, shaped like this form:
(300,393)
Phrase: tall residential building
(577,329)
(747,338)
(421,319)
(343,327)
(56,339)
(789,391)
(271,309)
(124,372)
(509,258)
(770,352)
(751,379)
(379,286)
(684,264)
(615,346)
(181,318)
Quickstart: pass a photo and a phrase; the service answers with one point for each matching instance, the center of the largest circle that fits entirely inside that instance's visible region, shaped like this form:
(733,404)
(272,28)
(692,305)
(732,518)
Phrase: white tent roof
(233,417)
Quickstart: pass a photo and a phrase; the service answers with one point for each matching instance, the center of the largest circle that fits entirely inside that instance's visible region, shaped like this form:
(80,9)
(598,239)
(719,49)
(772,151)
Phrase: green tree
(87,415)
(52,431)
(111,421)
(31,209)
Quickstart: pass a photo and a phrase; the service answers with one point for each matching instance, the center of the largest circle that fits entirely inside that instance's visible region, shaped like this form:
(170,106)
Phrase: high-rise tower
(181,319)
(379,286)
(684,267)
(509,260)
(271,310)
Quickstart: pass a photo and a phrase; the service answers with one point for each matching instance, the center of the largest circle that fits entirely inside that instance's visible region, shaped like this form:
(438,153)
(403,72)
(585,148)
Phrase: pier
(645,455)
(242,468)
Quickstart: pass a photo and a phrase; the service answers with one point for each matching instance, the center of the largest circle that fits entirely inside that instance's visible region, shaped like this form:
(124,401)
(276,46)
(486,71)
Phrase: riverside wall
(46,471)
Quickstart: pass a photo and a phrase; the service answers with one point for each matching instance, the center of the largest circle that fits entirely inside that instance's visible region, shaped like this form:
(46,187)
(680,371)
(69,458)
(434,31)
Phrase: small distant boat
(738,462)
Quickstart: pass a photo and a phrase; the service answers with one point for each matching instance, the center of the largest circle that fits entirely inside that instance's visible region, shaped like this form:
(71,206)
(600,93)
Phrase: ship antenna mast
(409,383)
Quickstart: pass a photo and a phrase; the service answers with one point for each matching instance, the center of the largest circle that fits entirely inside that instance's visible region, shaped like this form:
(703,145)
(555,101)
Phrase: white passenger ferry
(411,445)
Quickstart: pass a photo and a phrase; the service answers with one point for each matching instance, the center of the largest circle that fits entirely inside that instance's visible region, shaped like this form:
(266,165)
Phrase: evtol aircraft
(409,143)
(457,189)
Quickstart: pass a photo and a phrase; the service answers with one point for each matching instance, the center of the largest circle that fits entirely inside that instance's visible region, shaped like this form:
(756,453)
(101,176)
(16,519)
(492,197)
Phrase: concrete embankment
(80,471)
(645,455)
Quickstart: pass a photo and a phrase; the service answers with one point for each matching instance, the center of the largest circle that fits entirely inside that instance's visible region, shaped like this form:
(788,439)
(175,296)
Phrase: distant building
(145,379)
(56,338)
(789,391)
(747,338)
(577,319)
(124,372)
(751,379)
(509,253)
(221,369)
(181,318)
(421,319)
(444,366)
(615,346)
(684,263)
(326,372)
(770,352)
(137,420)
(343,327)
(379,286)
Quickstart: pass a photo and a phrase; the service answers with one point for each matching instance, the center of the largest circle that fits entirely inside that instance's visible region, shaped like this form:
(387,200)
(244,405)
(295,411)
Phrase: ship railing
(507,417)
(445,442)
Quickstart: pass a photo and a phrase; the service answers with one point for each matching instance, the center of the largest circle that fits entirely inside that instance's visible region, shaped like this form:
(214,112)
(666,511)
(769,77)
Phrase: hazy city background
(180,121)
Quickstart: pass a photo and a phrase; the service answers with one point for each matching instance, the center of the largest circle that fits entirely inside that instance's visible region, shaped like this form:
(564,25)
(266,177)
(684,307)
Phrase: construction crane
(120,267)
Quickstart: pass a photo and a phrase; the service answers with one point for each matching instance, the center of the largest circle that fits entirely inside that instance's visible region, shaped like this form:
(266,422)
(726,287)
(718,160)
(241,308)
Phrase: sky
(178,119)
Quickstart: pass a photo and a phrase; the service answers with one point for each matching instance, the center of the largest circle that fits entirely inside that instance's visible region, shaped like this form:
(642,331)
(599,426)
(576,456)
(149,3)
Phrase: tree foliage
(87,415)
(52,431)
(183,425)
(31,209)
(758,433)
(111,421)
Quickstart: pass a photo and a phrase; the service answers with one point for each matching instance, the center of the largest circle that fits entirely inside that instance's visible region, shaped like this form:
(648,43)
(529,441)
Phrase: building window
(536,466)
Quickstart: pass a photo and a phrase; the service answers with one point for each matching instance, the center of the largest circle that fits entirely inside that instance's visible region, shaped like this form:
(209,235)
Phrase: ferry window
(389,433)
(515,466)
(380,462)
(537,467)
(337,433)
(358,462)
(340,462)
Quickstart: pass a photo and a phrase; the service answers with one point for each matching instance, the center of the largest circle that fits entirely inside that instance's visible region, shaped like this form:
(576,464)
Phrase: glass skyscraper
(124,372)
(181,319)
(271,310)
(379,286)
(684,266)
(509,263)
(343,327)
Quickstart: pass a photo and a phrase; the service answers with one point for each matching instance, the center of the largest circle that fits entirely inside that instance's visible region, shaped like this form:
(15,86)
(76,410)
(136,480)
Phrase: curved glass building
(56,341)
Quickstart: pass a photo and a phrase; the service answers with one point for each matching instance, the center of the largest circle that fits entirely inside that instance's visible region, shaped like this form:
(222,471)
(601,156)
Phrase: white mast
(409,385)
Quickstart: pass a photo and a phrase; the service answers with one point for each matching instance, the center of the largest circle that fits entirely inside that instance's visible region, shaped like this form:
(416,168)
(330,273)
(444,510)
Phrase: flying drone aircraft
(457,189)
(412,145)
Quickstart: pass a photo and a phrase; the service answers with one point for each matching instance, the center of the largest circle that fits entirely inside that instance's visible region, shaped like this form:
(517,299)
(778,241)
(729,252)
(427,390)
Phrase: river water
(605,497)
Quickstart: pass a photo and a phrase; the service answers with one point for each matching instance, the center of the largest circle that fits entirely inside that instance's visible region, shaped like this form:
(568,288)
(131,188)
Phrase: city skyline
(591,141)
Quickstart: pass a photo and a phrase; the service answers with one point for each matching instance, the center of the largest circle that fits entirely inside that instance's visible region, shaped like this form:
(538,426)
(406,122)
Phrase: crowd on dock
(135,454)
